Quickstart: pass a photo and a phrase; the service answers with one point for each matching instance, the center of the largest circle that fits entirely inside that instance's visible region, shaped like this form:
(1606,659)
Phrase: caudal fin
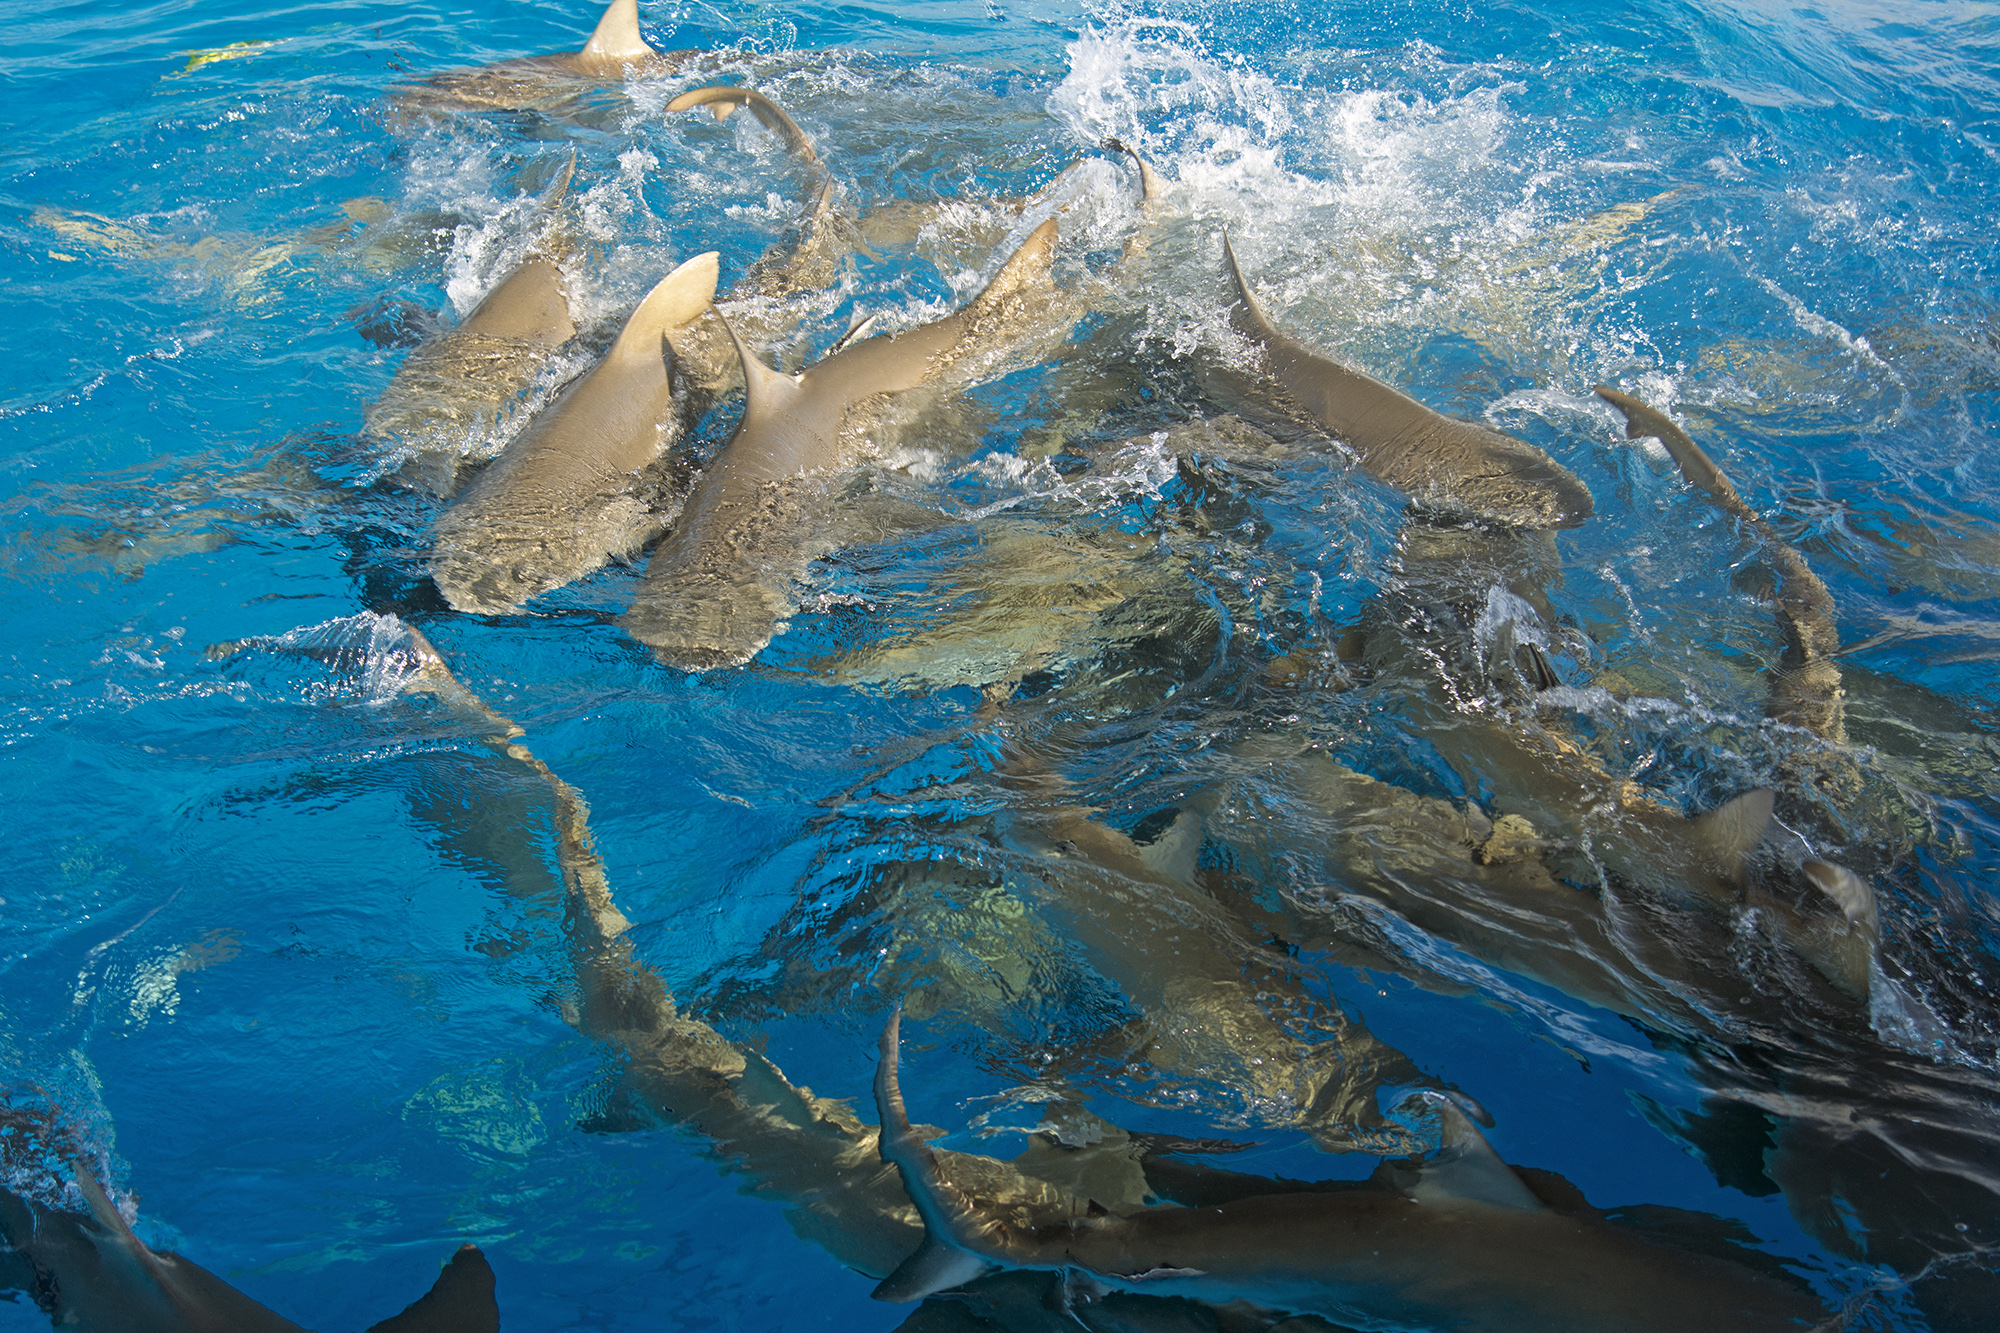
(1811,698)
(1150,185)
(944,1260)
(616,36)
(1699,469)
(723,99)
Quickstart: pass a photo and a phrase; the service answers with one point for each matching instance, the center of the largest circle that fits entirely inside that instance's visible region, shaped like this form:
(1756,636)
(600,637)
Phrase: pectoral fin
(933,1268)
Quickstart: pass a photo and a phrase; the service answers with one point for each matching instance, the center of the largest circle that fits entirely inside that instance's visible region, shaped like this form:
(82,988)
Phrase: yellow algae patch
(233,51)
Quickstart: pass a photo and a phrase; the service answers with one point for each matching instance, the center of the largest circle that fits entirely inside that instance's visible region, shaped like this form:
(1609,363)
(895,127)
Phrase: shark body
(454,384)
(1466,1246)
(719,585)
(566,495)
(615,52)
(1460,467)
(90,1273)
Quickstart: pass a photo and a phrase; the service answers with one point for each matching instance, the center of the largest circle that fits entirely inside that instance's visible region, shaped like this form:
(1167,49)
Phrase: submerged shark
(1458,467)
(89,1272)
(615,52)
(568,493)
(1805,685)
(1460,1243)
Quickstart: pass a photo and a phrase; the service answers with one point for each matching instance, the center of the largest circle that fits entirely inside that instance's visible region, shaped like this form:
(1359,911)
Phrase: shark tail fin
(1726,835)
(722,99)
(1150,184)
(1699,469)
(1805,606)
(949,1256)
(1030,267)
(675,301)
(1465,1167)
(460,1301)
(616,36)
(1250,318)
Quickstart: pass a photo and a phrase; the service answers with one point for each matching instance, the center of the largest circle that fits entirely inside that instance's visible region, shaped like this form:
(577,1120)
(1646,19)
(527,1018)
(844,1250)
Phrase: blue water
(285,948)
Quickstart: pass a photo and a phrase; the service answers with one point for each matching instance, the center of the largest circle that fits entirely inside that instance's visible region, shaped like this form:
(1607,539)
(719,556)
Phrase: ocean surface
(283,939)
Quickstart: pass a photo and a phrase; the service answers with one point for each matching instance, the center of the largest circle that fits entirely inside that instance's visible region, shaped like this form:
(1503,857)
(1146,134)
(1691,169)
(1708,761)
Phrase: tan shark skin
(456,383)
(1218,1006)
(1459,466)
(1467,1246)
(763,302)
(1485,885)
(718,586)
(1805,685)
(565,494)
(615,52)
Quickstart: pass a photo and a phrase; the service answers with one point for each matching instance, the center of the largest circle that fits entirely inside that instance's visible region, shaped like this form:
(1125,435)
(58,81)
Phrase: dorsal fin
(945,1259)
(764,390)
(460,1301)
(617,34)
(559,187)
(725,98)
(676,300)
(1030,266)
(1176,852)
(1727,834)
(1250,316)
(106,1215)
(1465,1167)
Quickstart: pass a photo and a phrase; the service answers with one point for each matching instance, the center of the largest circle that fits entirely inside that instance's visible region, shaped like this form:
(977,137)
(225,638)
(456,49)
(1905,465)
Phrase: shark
(89,1272)
(568,493)
(1460,1242)
(1460,468)
(825,1165)
(453,386)
(615,52)
(719,585)
(1805,684)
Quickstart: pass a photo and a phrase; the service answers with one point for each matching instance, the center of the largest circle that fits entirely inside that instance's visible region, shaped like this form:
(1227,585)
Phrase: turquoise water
(287,944)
